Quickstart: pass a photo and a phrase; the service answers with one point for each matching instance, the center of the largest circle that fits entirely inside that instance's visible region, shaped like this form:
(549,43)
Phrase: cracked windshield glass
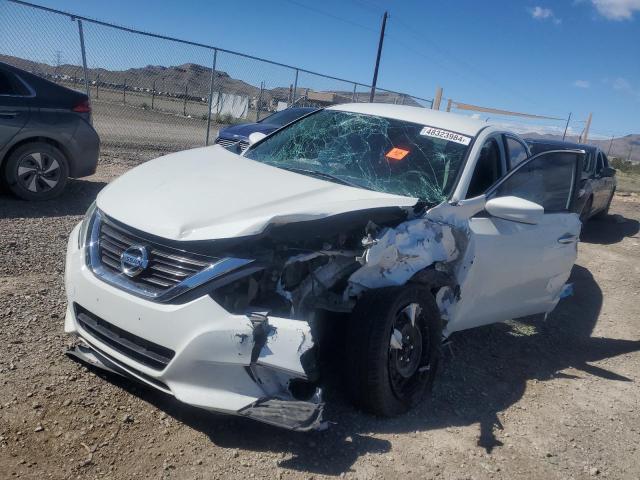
(366,151)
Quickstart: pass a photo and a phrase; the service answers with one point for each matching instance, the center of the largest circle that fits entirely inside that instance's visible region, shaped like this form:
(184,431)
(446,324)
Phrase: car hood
(211,193)
(243,131)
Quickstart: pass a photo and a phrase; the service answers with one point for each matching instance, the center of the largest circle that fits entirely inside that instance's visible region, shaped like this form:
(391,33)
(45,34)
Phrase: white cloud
(582,83)
(617,9)
(541,13)
(623,85)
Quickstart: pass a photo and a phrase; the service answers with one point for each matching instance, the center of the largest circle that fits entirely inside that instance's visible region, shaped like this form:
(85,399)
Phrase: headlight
(84,226)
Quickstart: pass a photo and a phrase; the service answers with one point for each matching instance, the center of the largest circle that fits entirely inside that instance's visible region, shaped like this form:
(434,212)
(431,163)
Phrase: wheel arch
(34,139)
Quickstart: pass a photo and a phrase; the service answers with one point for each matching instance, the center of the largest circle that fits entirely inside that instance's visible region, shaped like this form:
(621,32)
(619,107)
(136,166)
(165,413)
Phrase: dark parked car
(598,183)
(238,135)
(45,135)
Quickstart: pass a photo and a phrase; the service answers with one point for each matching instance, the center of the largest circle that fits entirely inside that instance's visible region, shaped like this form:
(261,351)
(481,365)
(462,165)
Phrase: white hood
(211,193)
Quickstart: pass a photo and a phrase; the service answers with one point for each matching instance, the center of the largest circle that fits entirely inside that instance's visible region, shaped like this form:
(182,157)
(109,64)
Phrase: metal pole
(184,105)
(213,76)
(259,102)
(375,70)
(353,97)
(124,92)
(84,58)
(98,86)
(610,145)
(564,135)
(295,88)
(153,94)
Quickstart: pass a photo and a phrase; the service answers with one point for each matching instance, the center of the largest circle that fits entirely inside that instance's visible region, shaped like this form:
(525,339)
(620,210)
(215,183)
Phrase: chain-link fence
(158,93)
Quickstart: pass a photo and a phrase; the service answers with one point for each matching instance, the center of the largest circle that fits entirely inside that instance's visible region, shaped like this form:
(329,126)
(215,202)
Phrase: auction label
(445,135)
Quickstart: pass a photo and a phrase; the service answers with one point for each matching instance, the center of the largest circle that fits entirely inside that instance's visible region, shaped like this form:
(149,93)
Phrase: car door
(14,106)
(513,269)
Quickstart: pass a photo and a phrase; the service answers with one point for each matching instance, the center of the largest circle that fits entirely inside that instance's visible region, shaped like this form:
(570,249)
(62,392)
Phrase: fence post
(84,58)
(213,76)
(259,102)
(295,87)
(354,99)
(97,86)
(153,94)
(184,105)
(124,92)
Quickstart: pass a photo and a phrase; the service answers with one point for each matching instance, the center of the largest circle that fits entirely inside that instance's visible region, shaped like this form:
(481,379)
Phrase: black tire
(373,378)
(36,171)
(603,213)
(586,210)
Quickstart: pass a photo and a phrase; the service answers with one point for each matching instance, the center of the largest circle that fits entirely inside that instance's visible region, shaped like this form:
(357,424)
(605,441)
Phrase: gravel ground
(557,399)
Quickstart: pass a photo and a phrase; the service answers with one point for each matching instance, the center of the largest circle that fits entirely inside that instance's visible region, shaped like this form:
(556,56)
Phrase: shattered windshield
(367,151)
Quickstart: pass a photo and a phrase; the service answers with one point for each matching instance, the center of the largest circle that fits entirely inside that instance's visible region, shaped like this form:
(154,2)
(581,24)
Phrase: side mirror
(256,137)
(608,172)
(515,209)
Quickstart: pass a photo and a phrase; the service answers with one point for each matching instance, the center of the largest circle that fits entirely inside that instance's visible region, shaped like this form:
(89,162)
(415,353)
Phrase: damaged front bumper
(197,352)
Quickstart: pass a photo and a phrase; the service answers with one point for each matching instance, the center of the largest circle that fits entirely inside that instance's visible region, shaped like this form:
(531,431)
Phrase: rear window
(10,85)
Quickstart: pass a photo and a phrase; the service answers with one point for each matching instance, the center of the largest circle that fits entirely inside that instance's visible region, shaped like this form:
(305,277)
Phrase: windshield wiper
(323,175)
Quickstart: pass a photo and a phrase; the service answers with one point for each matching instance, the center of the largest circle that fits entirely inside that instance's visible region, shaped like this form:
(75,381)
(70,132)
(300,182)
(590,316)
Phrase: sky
(541,57)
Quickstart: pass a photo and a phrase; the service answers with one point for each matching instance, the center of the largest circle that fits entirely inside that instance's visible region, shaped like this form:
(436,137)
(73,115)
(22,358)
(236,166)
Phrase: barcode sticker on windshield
(445,135)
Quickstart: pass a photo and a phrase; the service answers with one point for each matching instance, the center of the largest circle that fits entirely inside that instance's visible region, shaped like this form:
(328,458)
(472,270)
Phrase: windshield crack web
(371,152)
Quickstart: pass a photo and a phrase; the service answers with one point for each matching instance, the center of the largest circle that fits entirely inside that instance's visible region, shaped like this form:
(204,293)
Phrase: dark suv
(45,135)
(598,183)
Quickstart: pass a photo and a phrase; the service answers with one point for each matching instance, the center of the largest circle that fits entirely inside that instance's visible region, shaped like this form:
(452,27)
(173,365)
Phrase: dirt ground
(554,399)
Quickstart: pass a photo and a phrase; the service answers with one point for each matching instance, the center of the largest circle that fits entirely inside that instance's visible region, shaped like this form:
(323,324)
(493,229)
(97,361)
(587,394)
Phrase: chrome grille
(168,272)
(166,268)
(227,143)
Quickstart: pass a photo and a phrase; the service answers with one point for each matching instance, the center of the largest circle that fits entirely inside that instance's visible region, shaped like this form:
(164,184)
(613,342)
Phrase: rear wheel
(36,171)
(586,210)
(603,213)
(393,349)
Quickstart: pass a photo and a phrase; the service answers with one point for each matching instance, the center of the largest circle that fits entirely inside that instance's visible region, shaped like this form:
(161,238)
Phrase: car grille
(143,351)
(167,267)
(228,143)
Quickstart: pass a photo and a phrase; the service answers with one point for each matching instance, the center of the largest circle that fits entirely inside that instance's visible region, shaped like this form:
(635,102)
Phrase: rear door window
(6,85)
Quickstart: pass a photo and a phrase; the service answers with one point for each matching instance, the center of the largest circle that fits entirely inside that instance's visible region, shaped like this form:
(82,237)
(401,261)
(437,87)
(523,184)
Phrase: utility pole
(375,70)
(586,129)
(566,127)
(437,98)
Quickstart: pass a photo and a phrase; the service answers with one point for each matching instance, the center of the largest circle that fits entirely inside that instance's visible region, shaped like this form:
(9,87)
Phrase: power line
(331,15)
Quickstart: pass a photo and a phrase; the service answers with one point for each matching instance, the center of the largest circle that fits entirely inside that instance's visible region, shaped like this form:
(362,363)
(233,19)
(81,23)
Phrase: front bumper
(222,362)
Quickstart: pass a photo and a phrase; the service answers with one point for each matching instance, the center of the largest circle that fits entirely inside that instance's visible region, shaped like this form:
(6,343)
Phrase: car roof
(562,144)
(424,116)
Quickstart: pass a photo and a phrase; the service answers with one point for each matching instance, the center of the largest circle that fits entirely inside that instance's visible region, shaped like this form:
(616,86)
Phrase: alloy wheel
(38,172)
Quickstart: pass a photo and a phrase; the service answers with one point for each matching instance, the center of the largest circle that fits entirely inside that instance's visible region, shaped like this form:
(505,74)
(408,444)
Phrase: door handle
(567,238)
(8,114)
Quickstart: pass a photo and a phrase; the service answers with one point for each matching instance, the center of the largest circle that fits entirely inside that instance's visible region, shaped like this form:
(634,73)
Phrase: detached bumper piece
(295,415)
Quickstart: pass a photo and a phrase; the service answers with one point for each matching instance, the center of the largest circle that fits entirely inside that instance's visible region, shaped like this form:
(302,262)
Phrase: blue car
(238,135)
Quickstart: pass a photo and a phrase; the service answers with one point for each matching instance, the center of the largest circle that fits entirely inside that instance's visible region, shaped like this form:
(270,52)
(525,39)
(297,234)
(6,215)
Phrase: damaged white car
(211,276)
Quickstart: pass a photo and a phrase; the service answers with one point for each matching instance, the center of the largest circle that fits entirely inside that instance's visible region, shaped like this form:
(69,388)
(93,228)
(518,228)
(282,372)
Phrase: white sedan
(213,276)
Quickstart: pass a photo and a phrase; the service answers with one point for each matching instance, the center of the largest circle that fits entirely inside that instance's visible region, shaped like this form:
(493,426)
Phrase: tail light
(83,107)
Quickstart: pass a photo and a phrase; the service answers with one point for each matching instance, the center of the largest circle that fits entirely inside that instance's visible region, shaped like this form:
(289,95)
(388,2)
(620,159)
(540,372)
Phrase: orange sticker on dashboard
(397,153)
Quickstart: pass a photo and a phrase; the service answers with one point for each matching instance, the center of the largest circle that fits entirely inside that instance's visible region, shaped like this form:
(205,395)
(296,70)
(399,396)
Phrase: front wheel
(394,345)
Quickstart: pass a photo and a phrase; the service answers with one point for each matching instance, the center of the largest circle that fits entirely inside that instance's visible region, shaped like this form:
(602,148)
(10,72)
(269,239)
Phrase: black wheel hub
(406,348)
